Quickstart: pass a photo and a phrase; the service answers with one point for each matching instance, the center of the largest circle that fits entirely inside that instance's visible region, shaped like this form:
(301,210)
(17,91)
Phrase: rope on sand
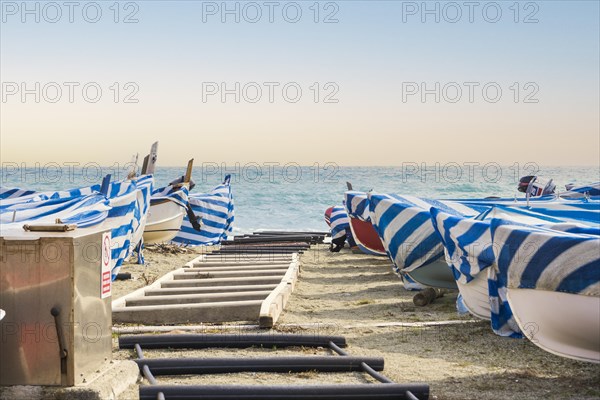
(250,327)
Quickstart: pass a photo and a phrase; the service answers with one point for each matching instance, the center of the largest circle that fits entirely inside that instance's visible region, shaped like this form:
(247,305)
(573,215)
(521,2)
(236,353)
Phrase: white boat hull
(436,274)
(163,222)
(564,324)
(476,296)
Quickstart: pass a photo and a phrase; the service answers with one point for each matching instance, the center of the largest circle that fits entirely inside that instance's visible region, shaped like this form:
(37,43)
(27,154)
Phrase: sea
(291,197)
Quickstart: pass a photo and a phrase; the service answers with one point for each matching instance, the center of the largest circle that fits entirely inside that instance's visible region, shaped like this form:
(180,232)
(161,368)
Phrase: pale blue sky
(369,54)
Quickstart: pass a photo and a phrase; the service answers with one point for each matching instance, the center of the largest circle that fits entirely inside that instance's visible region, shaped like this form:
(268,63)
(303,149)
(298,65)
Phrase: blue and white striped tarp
(405,228)
(21,196)
(592,189)
(123,210)
(176,194)
(470,250)
(9,193)
(546,259)
(129,200)
(402,221)
(357,205)
(84,211)
(579,210)
(217,213)
(340,225)
(121,219)
(144,186)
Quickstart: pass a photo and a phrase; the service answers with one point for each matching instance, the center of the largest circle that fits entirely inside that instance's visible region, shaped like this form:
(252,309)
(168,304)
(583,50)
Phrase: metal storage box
(56,295)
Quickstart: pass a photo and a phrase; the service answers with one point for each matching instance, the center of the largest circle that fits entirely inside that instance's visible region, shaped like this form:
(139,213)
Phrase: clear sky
(382,82)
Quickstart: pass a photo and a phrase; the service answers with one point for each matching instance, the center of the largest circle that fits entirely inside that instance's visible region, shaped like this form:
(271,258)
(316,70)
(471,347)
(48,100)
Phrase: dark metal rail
(274,238)
(308,233)
(261,251)
(229,341)
(365,366)
(390,391)
(229,365)
(345,363)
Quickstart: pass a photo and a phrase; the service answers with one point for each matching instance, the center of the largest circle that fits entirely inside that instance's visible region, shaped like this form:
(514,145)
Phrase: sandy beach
(359,297)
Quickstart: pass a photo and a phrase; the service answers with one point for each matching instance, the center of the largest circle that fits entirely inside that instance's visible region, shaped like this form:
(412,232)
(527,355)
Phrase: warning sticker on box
(105,281)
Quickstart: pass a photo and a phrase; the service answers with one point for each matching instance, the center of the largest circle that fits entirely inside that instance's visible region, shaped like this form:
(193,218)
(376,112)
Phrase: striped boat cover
(121,219)
(10,193)
(178,195)
(579,210)
(546,259)
(591,189)
(145,186)
(84,211)
(404,224)
(22,196)
(339,224)
(130,201)
(469,250)
(357,205)
(405,228)
(217,212)
(123,211)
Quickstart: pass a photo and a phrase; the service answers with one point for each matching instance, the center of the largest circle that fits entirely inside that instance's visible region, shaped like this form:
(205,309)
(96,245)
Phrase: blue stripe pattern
(469,252)
(545,258)
(176,194)
(357,205)
(470,249)
(84,211)
(10,193)
(591,189)
(405,228)
(217,214)
(123,210)
(339,224)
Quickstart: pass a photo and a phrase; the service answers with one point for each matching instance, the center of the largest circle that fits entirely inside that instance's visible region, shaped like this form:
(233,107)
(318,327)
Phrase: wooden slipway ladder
(247,279)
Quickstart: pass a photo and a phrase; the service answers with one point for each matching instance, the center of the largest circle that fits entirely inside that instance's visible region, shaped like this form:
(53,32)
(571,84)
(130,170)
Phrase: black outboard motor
(536,186)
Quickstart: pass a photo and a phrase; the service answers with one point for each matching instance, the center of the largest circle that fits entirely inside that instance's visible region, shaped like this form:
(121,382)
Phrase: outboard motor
(535,186)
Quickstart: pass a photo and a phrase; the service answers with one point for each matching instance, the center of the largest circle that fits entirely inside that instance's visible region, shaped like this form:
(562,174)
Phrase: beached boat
(213,211)
(167,208)
(404,226)
(365,235)
(470,255)
(553,286)
(574,190)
